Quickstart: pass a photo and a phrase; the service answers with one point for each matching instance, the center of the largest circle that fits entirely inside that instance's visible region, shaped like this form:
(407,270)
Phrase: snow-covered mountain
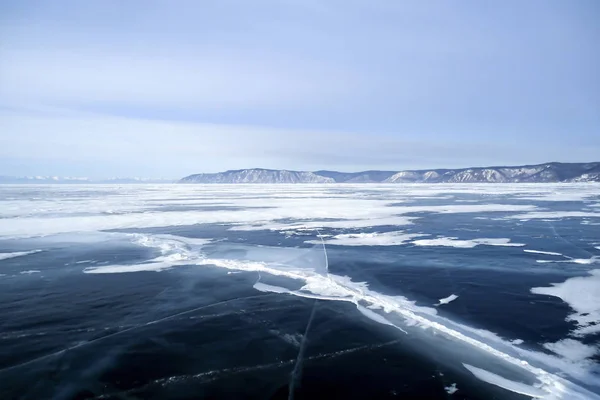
(357,177)
(549,172)
(258,175)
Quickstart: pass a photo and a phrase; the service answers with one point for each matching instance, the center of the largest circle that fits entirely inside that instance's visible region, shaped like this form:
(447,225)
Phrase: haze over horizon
(157,89)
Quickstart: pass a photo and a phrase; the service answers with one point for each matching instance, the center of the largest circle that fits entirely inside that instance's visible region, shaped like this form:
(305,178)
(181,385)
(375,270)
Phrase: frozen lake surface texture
(462,291)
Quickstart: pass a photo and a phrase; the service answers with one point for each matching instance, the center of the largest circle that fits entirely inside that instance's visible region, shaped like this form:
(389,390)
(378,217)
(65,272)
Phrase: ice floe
(451,389)
(447,300)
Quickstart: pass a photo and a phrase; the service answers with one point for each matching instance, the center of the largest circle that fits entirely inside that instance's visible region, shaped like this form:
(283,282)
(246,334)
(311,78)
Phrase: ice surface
(331,287)
(339,288)
(292,209)
(465,244)
(583,296)
(447,300)
(369,239)
(497,380)
(6,256)
(550,253)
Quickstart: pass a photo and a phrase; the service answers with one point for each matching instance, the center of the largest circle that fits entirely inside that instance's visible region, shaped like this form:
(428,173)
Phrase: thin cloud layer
(163,89)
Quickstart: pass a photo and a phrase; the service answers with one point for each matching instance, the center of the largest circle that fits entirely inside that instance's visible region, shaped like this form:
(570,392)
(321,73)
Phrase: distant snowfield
(313,206)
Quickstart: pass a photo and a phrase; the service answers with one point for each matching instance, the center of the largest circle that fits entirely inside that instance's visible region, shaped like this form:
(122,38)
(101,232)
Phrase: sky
(167,88)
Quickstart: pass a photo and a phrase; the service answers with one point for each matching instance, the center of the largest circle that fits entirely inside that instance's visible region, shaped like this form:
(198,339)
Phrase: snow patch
(583,296)
(369,239)
(582,261)
(572,350)
(451,389)
(550,253)
(465,244)
(175,250)
(31,271)
(555,215)
(6,256)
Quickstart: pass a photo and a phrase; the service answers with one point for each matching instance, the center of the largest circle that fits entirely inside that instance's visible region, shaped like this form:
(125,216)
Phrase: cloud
(206,81)
(151,87)
(100,145)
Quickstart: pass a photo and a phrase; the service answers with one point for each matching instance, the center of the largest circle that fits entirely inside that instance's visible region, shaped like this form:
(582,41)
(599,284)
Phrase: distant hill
(258,175)
(548,172)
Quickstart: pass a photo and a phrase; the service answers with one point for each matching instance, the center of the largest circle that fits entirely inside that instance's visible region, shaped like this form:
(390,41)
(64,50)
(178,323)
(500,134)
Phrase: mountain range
(540,173)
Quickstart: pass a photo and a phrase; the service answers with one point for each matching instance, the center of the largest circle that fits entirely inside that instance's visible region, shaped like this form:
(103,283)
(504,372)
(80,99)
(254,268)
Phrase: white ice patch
(175,250)
(32,271)
(341,224)
(582,261)
(376,317)
(497,380)
(263,287)
(451,389)
(465,244)
(447,300)
(586,261)
(550,253)
(555,215)
(583,296)
(6,256)
(370,239)
(572,350)
(517,341)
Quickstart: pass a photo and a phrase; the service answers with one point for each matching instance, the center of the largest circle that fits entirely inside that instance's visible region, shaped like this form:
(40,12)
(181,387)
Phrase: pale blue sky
(169,88)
